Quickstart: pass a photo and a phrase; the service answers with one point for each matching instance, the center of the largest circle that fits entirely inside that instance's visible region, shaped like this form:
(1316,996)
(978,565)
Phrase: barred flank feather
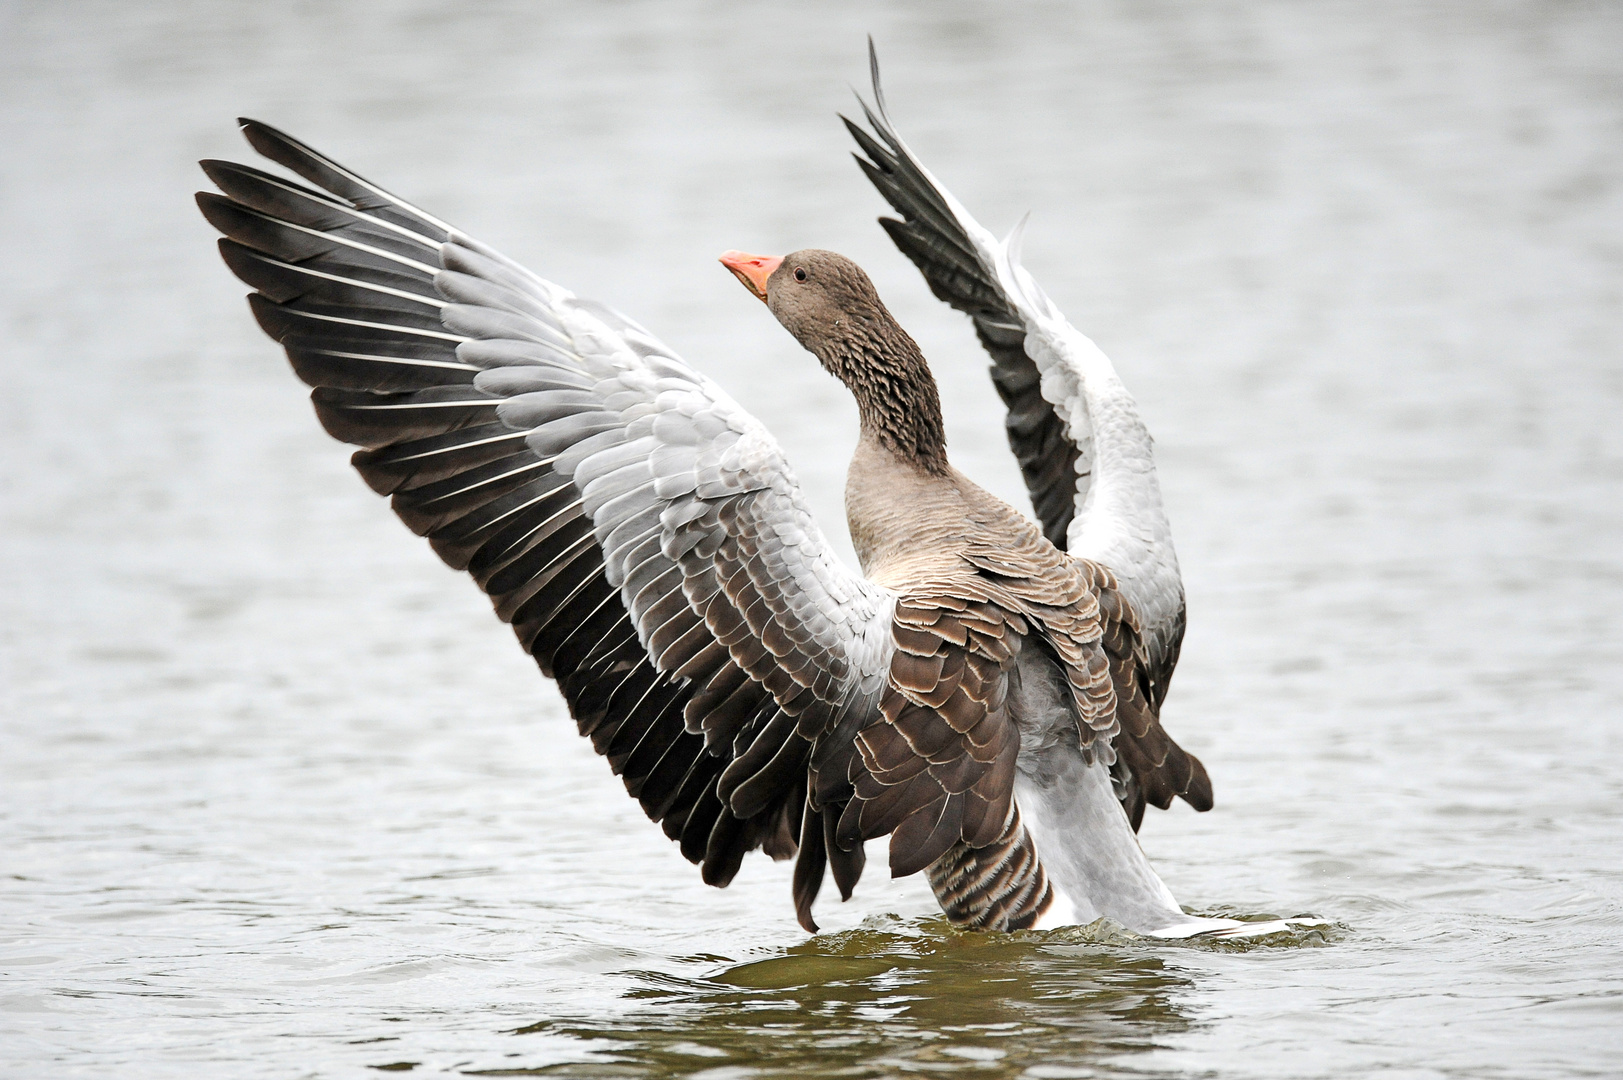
(999,885)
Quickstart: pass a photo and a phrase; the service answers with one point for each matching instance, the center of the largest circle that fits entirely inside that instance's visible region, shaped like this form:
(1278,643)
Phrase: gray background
(280,797)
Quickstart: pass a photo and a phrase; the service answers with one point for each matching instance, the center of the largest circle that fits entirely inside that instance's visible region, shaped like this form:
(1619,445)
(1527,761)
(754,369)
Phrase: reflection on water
(910,996)
(871,1001)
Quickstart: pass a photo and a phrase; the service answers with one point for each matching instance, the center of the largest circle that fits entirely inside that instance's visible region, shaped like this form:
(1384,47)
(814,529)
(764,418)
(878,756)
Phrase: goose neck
(897,398)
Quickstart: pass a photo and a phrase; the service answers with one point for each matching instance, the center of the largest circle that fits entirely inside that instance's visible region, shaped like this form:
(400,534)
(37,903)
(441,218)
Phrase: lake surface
(279,796)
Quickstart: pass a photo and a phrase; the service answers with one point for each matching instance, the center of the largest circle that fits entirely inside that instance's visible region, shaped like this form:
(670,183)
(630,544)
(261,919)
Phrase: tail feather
(1001,886)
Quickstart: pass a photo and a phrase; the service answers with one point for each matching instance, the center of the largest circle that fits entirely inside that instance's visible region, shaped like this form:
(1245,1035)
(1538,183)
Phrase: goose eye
(800,273)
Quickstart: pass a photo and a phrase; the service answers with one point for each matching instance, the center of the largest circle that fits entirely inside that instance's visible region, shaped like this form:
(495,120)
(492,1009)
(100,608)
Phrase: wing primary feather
(324,172)
(279,322)
(228,216)
(275,195)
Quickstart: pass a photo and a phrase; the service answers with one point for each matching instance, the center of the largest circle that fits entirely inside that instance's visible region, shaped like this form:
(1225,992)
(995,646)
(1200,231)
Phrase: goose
(985,693)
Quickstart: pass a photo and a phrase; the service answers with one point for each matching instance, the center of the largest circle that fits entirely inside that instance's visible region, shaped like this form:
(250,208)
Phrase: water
(279,797)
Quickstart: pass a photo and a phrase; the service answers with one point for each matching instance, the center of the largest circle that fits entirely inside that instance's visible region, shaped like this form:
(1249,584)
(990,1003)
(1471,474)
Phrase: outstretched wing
(965,266)
(1038,362)
(641,532)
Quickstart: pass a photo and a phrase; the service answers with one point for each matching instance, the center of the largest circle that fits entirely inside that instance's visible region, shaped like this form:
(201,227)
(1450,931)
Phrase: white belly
(1093,860)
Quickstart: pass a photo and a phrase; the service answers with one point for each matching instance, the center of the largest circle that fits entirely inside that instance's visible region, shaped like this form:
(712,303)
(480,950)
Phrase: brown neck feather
(896,394)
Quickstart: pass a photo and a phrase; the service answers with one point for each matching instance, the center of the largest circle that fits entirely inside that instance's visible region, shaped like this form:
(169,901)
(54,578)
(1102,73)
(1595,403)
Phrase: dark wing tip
(873,72)
(260,134)
(1198,792)
(252,128)
(248,123)
(215,168)
(216,209)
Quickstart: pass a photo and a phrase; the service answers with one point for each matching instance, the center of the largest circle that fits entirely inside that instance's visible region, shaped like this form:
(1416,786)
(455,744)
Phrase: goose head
(829,305)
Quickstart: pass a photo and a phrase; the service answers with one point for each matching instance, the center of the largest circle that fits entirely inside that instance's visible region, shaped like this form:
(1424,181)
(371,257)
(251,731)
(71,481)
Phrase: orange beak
(752,270)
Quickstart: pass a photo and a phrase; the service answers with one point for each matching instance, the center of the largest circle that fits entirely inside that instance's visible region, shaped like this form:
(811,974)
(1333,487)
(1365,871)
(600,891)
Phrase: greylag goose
(968,694)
